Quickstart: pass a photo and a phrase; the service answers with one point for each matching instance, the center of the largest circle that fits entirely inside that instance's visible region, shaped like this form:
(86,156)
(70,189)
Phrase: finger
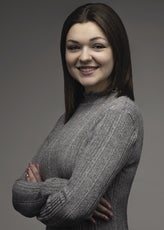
(100,215)
(37,166)
(36,173)
(31,176)
(28,179)
(27,175)
(104,210)
(105,203)
(93,220)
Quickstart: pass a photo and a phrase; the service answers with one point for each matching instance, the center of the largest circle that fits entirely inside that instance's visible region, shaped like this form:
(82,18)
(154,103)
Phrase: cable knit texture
(95,154)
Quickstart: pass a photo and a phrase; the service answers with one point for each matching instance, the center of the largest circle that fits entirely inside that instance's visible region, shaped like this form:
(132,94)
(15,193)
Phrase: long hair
(121,77)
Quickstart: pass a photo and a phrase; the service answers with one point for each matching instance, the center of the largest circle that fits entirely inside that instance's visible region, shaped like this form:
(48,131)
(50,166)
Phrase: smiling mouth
(87,70)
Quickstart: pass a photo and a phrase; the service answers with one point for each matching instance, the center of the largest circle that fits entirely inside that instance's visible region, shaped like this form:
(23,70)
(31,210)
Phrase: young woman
(82,175)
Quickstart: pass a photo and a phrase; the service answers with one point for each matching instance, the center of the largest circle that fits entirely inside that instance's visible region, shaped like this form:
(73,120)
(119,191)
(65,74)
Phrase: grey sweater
(95,154)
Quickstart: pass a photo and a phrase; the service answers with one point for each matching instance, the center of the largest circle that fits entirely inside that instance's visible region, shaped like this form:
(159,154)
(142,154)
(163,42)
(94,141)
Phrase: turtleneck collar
(92,97)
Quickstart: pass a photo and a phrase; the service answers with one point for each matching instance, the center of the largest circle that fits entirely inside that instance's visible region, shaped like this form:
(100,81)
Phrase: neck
(101,87)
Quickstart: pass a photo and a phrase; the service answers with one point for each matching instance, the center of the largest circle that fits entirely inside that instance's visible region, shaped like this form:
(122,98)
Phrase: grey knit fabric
(95,154)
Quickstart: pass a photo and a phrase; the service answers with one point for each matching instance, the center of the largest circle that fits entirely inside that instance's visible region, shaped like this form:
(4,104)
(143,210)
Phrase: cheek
(104,58)
(67,59)
(107,65)
(109,61)
(70,62)
(70,59)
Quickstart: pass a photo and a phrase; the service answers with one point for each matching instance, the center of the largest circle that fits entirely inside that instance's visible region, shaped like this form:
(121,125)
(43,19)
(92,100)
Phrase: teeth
(87,68)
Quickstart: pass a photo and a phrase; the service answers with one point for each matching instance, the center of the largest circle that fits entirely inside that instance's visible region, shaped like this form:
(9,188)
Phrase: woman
(82,175)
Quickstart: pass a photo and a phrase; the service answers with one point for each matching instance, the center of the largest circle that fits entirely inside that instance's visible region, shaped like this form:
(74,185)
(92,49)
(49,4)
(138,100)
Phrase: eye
(98,46)
(73,47)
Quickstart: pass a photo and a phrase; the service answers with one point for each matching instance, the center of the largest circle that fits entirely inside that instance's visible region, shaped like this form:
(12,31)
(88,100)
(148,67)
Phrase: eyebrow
(92,39)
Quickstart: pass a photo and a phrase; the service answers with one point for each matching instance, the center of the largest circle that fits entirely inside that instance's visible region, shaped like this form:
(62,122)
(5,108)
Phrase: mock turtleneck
(97,97)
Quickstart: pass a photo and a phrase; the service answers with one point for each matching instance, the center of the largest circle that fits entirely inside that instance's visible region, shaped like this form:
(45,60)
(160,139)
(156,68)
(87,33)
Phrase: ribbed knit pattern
(95,154)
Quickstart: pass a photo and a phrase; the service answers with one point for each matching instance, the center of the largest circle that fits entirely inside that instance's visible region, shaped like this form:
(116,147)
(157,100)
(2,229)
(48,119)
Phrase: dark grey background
(31,96)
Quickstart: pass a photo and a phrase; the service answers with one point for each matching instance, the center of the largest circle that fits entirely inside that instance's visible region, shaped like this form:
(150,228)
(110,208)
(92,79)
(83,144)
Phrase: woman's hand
(103,211)
(32,173)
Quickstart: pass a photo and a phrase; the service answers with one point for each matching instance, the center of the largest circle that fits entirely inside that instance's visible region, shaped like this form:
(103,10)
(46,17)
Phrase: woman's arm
(103,210)
(26,196)
(105,155)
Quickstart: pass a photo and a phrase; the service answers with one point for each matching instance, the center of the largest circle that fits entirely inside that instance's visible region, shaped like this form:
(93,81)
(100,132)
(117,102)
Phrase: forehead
(86,30)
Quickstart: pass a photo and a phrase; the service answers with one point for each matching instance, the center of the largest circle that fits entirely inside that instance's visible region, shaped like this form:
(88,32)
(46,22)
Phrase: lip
(87,70)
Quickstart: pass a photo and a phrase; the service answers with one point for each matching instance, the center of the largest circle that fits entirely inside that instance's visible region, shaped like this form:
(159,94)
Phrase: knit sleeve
(104,156)
(26,196)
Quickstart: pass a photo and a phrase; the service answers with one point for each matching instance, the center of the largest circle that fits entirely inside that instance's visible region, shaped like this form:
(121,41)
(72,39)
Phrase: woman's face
(89,56)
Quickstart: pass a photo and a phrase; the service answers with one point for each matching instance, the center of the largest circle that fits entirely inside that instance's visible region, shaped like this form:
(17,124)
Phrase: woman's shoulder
(125,105)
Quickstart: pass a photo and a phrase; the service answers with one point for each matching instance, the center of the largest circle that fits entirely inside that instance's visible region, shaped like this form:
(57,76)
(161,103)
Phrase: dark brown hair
(110,23)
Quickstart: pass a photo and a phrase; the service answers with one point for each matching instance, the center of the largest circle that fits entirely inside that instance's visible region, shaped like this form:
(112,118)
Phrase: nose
(85,55)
